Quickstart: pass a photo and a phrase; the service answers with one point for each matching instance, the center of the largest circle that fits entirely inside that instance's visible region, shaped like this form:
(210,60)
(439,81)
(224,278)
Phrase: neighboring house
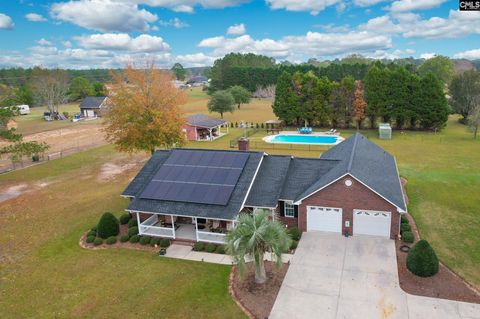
(200,127)
(193,194)
(92,106)
(198,81)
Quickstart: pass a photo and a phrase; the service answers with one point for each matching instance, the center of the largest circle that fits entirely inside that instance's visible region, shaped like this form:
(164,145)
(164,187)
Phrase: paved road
(331,276)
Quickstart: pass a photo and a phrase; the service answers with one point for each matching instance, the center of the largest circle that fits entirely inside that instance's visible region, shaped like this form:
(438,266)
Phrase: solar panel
(206,177)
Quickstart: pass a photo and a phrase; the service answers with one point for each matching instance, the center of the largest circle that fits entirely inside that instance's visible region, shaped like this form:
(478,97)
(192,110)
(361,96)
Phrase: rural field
(43,270)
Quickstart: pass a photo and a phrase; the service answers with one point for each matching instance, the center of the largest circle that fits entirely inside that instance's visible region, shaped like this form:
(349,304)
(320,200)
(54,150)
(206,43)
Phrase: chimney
(243,144)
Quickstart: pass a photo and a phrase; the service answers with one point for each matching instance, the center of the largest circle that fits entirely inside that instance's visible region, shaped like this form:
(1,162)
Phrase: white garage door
(367,222)
(324,219)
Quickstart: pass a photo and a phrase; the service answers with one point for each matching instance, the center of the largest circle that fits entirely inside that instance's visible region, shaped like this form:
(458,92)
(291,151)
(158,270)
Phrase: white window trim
(292,207)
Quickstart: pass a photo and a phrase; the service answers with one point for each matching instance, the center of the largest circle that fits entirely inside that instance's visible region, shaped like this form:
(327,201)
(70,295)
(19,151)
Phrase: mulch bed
(257,300)
(445,284)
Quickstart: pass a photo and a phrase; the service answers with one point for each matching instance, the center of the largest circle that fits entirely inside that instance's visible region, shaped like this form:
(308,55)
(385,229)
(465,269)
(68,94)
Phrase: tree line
(387,94)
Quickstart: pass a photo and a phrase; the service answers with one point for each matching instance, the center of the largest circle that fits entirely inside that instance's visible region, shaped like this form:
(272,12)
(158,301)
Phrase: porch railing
(217,238)
(147,228)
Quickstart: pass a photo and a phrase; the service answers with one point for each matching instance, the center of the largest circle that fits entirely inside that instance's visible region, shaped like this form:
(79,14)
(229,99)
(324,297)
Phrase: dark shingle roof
(268,184)
(228,211)
(202,120)
(92,102)
(368,163)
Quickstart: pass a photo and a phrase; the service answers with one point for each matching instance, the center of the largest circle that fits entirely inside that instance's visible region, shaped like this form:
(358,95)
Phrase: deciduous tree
(441,66)
(179,71)
(50,88)
(474,119)
(221,102)
(80,88)
(144,111)
(359,104)
(240,95)
(465,93)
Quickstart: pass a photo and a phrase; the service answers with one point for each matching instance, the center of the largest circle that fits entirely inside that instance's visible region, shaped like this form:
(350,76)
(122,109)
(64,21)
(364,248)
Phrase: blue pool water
(305,139)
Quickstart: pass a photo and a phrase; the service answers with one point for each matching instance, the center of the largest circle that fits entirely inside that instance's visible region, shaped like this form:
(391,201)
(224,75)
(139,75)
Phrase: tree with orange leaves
(143,112)
(359,104)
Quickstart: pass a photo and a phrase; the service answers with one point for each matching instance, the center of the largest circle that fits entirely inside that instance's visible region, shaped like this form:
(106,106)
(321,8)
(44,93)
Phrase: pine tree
(434,107)
(285,106)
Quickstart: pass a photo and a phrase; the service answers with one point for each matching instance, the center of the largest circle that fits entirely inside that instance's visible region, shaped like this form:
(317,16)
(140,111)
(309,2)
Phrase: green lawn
(44,273)
(34,122)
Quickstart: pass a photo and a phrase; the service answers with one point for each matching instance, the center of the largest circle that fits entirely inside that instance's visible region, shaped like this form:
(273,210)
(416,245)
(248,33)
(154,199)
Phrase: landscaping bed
(445,284)
(257,299)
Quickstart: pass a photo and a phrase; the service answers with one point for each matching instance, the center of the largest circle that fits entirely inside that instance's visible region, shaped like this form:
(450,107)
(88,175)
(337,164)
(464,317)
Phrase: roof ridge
(350,162)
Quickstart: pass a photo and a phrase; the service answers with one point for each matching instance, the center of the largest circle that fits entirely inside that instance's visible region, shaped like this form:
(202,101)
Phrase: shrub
(164,243)
(134,239)
(90,239)
(404,219)
(125,218)
(111,240)
(108,226)
(408,237)
(198,246)
(145,240)
(94,228)
(154,241)
(294,244)
(404,228)
(98,241)
(132,223)
(210,248)
(92,233)
(220,249)
(133,231)
(422,260)
(295,233)
(124,238)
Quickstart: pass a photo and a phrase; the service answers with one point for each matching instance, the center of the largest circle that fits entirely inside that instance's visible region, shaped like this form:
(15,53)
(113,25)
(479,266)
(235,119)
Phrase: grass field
(44,273)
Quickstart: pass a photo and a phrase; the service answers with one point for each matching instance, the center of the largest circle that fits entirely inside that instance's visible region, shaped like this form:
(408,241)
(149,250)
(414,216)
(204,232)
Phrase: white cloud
(313,6)
(367,3)
(381,24)
(427,55)
(188,6)
(123,42)
(237,29)
(175,22)
(44,42)
(197,59)
(35,17)
(411,5)
(6,23)
(333,28)
(409,51)
(309,45)
(67,44)
(104,15)
(470,54)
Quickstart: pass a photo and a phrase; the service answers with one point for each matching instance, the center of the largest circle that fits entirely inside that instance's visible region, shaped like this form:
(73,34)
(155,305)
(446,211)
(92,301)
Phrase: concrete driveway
(331,276)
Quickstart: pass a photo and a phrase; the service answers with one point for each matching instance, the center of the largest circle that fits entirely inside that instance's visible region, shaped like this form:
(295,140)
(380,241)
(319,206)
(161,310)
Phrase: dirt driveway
(331,276)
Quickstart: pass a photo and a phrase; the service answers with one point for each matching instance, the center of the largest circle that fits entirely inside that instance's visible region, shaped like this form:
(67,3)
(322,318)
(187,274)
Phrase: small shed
(92,106)
(200,127)
(384,131)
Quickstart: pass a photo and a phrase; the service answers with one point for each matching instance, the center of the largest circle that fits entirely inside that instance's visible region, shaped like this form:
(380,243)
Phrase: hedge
(408,237)
(92,233)
(164,243)
(198,247)
(422,260)
(133,231)
(404,228)
(210,248)
(124,238)
(154,241)
(404,219)
(220,249)
(294,244)
(295,233)
(125,218)
(98,241)
(132,223)
(90,239)
(145,240)
(108,226)
(111,240)
(134,239)
(94,228)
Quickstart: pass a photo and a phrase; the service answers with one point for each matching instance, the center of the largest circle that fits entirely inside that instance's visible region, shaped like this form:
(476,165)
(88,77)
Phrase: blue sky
(111,33)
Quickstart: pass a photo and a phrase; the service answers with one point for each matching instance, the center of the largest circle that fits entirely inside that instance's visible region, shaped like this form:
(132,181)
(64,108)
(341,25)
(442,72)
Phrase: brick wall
(357,196)
(190,132)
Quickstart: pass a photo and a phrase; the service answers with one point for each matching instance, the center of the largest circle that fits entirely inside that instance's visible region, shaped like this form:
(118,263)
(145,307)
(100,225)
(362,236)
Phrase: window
(289,210)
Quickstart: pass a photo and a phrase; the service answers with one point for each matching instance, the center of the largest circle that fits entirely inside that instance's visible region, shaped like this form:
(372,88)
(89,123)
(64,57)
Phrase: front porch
(211,133)
(183,228)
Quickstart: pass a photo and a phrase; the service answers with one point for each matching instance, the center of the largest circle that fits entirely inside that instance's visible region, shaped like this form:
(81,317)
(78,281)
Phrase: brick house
(191,194)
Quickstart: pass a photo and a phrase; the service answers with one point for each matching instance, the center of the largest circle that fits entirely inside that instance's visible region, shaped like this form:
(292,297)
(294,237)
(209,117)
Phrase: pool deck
(269,137)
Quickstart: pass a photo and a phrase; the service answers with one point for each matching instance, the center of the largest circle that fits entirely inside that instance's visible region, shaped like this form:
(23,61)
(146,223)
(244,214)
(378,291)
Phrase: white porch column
(196,227)
(173,226)
(138,224)
(211,136)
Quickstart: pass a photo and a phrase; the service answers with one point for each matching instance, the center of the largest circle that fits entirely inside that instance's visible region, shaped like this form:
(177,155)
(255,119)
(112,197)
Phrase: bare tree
(51,88)
(5,93)
(474,118)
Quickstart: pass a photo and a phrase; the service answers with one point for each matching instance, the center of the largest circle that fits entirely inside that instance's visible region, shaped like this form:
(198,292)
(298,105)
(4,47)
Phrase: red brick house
(200,127)
(191,194)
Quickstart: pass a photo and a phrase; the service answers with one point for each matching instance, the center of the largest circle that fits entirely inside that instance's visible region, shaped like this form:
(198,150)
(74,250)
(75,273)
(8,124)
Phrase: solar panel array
(195,176)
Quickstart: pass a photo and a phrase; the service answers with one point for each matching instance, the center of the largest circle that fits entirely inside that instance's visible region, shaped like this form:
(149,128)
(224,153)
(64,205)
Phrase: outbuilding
(92,106)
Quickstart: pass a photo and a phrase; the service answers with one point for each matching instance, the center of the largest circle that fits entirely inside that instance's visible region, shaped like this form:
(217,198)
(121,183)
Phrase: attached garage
(375,223)
(324,219)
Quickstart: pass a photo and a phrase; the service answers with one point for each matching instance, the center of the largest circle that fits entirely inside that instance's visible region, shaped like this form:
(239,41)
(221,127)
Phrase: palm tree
(253,236)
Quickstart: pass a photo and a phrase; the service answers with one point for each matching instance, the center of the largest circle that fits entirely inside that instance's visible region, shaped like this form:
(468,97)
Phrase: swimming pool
(304,139)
